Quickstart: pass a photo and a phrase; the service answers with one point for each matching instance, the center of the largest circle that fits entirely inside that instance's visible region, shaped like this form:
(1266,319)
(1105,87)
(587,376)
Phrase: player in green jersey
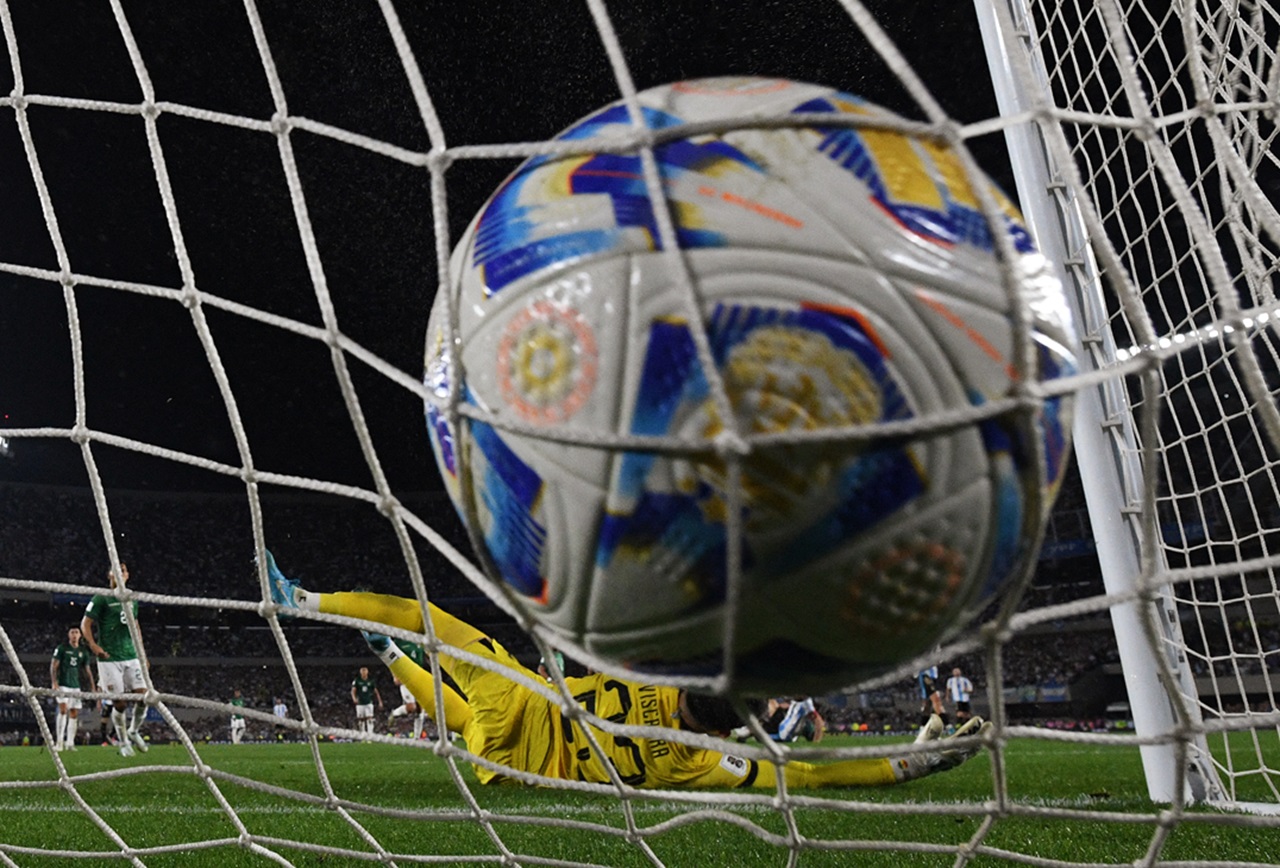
(512,728)
(70,658)
(364,690)
(106,631)
(237,720)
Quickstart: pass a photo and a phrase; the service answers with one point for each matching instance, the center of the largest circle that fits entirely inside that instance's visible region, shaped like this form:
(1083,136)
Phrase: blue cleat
(284,592)
(376,641)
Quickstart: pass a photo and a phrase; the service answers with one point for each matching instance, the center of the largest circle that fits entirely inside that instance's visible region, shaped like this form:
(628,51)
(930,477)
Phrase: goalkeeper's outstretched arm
(882,771)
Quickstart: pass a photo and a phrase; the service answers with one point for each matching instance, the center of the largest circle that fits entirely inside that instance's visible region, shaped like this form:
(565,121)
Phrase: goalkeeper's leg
(386,609)
(890,770)
(393,611)
(420,682)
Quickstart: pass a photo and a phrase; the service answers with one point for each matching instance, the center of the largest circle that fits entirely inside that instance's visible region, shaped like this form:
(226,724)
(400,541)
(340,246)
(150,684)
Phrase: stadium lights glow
(1209,332)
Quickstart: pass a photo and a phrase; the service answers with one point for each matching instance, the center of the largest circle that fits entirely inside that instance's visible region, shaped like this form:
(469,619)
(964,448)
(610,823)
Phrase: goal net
(1151,172)
(224,229)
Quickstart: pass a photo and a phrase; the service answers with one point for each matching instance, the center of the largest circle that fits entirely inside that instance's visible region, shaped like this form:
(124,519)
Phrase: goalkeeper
(509,725)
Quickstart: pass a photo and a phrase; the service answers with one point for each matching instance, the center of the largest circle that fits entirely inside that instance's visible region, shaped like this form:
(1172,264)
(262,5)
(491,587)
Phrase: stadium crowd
(200,546)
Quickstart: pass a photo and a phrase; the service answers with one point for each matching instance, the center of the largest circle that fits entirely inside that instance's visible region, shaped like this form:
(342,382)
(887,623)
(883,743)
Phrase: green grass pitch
(159,806)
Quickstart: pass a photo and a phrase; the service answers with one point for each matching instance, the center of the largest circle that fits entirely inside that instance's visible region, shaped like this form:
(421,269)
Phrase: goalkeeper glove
(908,767)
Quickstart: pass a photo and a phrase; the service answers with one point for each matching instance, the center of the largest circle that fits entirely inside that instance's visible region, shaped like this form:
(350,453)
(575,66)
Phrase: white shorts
(120,676)
(406,696)
(70,697)
(237,724)
(364,711)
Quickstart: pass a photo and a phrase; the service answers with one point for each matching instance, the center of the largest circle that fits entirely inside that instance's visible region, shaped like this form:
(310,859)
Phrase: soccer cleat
(139,742)
(125,749)
(284,592)
(378,643)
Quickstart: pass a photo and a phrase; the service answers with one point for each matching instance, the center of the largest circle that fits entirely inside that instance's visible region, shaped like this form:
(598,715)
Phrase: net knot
(950,132)
(729,443)
(993,634)
(439,159)
(1146,130)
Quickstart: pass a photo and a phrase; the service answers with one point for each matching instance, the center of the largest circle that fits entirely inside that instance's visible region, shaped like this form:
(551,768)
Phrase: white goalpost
(227,228)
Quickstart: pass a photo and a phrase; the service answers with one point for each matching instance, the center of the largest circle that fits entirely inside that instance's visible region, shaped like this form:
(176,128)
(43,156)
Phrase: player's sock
(419,721)
(137,716)
(69,737)
(59,730)
(121,726)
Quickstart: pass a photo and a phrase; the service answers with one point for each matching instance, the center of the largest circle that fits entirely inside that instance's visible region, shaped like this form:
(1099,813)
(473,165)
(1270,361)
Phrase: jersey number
(632,777)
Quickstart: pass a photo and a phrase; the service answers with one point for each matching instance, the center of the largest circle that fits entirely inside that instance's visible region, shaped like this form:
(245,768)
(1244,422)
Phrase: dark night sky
(496,71)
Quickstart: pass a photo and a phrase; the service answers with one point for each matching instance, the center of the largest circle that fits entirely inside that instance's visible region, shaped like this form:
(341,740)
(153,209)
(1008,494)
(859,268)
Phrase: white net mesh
(226,225)
(1182,173)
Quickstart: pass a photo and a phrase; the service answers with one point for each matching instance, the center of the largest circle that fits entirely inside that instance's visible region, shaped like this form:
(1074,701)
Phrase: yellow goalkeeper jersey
(641,762)
(513,727)
(541,739)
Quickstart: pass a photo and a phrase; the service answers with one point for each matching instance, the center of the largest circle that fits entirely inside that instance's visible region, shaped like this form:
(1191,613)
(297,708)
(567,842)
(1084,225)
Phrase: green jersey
(238,702)
(69,659)
(364,688)
(413,651)
(113,631)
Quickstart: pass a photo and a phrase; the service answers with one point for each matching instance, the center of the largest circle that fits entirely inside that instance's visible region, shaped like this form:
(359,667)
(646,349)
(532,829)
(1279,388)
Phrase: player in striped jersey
(930,696)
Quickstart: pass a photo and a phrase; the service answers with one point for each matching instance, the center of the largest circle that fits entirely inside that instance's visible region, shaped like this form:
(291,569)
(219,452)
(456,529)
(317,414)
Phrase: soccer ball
(829,279)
